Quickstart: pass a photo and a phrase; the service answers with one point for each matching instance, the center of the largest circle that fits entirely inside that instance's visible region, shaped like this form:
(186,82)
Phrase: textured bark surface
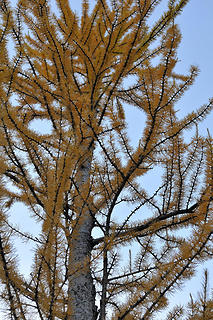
(81,288)
(81,291)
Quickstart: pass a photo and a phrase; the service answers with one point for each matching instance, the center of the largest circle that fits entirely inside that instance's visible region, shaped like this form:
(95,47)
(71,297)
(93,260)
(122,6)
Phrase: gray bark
(81,290)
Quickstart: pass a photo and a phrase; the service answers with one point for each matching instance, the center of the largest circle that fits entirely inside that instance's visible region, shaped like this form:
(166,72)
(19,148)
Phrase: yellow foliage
(88,188)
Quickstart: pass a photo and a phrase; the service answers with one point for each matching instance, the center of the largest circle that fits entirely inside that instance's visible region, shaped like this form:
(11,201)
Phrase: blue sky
(196,24)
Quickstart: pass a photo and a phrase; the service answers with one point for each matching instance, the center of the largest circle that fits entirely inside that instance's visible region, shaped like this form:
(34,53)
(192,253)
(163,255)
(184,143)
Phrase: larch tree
(109,246)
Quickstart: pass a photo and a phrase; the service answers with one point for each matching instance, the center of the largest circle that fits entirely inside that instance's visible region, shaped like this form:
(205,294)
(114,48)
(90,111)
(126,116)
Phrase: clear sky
(196,24)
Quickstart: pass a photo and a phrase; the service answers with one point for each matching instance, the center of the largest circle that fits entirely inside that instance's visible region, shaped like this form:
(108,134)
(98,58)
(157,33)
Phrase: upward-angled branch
(89,192)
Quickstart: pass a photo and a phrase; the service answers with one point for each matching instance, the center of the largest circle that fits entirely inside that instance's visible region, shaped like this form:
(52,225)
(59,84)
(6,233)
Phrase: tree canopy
(109,246)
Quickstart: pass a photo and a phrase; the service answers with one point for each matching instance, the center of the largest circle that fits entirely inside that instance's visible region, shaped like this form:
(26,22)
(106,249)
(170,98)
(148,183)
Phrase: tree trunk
(81,304)
(81,290)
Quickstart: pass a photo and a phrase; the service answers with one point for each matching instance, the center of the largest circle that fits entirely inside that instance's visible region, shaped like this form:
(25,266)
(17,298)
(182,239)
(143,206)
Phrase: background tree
(202,307)
(199,309)
(84,183)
